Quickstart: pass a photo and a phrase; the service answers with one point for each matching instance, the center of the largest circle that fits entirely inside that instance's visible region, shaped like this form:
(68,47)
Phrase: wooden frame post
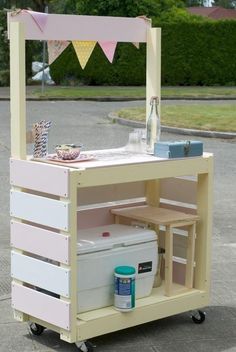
(153,62)
(17,73)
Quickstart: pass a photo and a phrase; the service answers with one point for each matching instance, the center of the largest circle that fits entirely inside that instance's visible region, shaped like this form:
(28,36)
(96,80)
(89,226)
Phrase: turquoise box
(178,149)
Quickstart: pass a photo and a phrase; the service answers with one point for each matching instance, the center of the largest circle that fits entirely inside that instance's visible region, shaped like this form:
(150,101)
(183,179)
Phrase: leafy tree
(228,4)
(128,8)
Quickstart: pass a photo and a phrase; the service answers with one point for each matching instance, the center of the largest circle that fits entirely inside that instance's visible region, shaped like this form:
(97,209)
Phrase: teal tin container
(178,149)
(124,297)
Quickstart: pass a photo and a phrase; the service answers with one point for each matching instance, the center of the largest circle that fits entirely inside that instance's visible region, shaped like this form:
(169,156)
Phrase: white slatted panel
(39,241)
(41,274)
(41,210)
(41,306)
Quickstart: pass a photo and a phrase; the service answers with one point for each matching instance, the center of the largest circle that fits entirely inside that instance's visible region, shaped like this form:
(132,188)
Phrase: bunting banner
(109,49)
(83,51)
(136,45)
(55,48)
(39,18)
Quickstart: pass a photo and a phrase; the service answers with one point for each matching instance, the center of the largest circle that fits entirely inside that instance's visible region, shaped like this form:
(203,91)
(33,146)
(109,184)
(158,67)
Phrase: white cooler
(103,248)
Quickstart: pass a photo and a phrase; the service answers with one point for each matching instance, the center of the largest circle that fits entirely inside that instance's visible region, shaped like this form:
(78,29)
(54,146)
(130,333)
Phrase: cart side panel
(44,243)
(40,210)
(42,306)
(40,273)
(40,177)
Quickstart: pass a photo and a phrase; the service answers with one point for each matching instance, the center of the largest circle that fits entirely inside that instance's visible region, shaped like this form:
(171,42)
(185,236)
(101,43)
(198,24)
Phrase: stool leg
(190,256)
(168,260)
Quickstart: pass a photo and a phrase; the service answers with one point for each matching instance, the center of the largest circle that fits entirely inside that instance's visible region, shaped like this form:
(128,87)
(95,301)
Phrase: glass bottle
(153,125)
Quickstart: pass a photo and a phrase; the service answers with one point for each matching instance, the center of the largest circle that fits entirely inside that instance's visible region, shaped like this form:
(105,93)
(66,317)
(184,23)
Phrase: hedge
(192,54)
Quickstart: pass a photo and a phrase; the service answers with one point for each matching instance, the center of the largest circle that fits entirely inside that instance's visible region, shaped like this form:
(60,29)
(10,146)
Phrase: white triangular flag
(55,48)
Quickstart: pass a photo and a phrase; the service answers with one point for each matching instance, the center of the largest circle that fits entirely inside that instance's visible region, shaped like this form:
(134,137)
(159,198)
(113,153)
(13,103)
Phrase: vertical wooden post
(71,336)
(17,73)
(153,76)
(204,229)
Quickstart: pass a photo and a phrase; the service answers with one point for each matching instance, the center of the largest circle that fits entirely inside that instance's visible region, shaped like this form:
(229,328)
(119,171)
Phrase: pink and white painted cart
(50,201)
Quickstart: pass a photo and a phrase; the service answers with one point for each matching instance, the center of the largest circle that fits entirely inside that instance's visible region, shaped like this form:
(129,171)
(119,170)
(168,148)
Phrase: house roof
(215,12)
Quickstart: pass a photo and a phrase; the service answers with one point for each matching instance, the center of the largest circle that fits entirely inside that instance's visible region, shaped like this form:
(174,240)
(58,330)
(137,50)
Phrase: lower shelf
(154,307)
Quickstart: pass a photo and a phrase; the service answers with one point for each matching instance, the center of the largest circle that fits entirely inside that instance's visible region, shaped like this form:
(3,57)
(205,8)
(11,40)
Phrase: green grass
(91,92)
(104,91)
(203,117)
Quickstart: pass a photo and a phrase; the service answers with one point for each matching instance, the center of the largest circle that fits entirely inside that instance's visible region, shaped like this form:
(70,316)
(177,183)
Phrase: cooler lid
(110,236)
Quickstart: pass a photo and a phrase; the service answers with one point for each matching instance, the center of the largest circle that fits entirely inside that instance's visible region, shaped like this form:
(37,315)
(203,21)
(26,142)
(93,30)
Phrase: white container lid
(110,236)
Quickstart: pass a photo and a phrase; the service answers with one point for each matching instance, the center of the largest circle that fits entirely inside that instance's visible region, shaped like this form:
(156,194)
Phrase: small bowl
(67,151)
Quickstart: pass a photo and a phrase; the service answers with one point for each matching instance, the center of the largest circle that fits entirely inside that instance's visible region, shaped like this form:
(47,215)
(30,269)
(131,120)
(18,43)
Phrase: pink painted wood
(42,242)
(41,177)
(41,306)
(97,28)
(99,216)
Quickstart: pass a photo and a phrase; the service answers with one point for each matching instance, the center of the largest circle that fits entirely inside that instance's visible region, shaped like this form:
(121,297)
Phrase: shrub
(193,53)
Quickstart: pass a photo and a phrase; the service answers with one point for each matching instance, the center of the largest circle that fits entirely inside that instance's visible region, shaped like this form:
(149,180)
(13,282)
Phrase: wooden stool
(170,219)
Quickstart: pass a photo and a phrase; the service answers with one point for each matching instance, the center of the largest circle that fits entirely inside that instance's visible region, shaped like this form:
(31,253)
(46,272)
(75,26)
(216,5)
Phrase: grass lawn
(105,91)
(206,117)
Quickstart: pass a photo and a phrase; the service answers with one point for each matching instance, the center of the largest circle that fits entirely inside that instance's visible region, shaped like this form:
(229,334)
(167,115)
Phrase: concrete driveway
(86,122)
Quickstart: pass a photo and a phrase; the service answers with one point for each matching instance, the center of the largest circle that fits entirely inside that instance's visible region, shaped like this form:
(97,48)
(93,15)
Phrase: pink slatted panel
(41,177)
(99,216)
(71,27)
(42,242)
(180,190)
(41,306)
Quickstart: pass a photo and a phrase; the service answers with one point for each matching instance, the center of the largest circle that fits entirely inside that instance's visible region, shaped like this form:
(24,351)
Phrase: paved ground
(86,122)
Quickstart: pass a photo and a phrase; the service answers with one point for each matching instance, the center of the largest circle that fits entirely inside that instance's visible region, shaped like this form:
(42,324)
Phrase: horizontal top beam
(91,28)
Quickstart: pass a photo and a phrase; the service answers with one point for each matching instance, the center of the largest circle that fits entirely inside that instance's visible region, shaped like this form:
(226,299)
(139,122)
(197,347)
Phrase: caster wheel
(36,329)
(199,317)
(85,346)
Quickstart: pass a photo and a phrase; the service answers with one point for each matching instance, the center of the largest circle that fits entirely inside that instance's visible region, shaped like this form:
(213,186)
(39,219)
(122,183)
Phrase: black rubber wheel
(36,329)
(199,317)
(88,345)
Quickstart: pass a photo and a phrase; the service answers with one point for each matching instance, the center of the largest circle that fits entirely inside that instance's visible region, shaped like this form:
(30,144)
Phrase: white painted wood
(153,71)
(41,177)
(39,241)
(42,306)
(71,27)
(17,76)
(36,272)
(40,210)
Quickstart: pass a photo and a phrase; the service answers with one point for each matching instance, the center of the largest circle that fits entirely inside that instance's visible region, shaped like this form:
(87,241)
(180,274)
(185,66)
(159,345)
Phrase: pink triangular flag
(108,49)
(40,18)
(55,48)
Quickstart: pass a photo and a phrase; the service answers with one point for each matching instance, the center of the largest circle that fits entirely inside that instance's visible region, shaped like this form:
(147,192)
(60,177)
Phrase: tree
(128,8)
(227,4)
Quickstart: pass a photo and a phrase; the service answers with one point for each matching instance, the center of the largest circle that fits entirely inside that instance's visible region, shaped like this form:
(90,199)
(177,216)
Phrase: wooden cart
(50,201)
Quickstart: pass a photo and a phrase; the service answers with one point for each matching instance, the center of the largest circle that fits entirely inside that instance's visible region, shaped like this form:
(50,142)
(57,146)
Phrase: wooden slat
(109,193)
(40,210)
(71,27)
(36,272)
(100,215)
(41,306)
(18,108)
(40,177)
(39,241)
